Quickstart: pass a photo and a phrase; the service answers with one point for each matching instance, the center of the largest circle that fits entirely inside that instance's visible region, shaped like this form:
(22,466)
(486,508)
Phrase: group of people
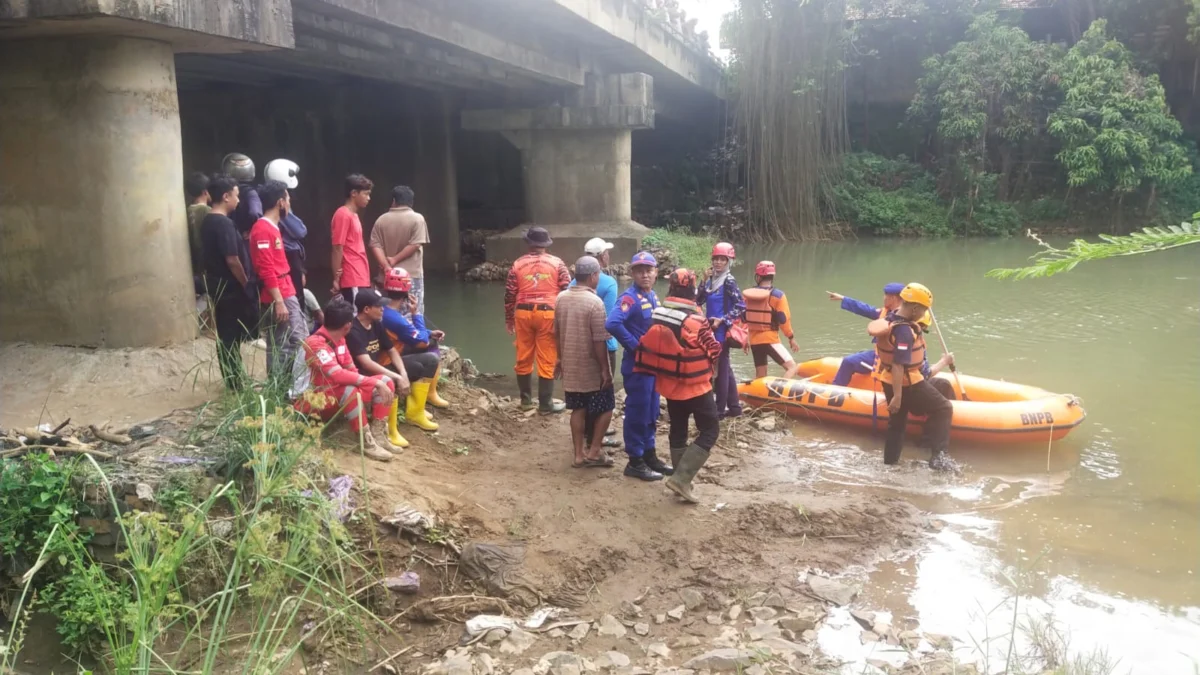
(360,353)
(679,349)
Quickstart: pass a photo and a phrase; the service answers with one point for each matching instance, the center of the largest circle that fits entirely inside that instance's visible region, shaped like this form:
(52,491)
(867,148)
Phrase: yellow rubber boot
(414,413)
(393,425)
(435,400)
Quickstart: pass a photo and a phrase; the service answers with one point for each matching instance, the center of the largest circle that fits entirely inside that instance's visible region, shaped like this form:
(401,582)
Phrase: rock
(641,628)
(561,659)
(755,669)
(517,642)
(221,529)
(808,635)
(685,641)
(459,665)
(868,636)
(523,671)
(408,583)
(783,647)
(757,599)
(735,612)
(580,631)
(728,638)
(612,660)
(484,664)
(677,613)
(742,445)
(774,600)
(881,627)
(864,619)
(722,660)
(660,618)
(692,598)
(658,650)
(762,631)
(609,626)
(674,671)
(713,619)
(910,639)
(836,592)
(556,633)
(762,613)
(495,635)
(144,492)
(766,424)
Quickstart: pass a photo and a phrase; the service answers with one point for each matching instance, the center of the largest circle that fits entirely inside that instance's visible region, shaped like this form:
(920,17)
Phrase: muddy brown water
(1100,531)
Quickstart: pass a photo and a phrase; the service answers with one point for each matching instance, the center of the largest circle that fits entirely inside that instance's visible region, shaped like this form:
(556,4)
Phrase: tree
(988,97)
(1116,131)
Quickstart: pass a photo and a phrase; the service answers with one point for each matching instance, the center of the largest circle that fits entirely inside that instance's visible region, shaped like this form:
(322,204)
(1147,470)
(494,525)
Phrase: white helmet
(284,171)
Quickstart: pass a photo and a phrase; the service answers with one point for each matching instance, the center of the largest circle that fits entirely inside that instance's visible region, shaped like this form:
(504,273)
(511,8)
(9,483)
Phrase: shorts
(594,402)
(775,350)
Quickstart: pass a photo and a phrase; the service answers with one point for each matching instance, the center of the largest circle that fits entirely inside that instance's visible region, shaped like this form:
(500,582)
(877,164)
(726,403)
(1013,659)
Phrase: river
(1100,530)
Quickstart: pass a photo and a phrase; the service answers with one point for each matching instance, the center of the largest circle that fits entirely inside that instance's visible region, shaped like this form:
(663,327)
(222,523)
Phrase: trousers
(343,397)
(535,341)
(704,409)
(236,321)
(641,414)
(921,398)
(726,392)
(862,362)
(283,339)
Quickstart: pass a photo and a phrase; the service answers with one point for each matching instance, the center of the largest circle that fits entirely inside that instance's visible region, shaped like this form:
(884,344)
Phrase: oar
(946,350)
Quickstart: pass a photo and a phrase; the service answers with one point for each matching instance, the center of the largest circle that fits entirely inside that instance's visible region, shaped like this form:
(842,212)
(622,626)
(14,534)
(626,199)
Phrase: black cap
(367,298)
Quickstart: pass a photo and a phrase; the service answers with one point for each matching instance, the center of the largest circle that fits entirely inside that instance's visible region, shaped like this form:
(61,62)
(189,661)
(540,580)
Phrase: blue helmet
(646,258)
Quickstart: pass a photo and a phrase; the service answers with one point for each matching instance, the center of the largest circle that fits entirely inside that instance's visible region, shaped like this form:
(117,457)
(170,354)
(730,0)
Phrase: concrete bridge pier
(91,225)
(576,165)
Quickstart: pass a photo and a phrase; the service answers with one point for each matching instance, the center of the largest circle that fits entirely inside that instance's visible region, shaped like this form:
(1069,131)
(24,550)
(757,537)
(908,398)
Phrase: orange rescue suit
(885,351)
(767,313)
(530,295)
(675,352)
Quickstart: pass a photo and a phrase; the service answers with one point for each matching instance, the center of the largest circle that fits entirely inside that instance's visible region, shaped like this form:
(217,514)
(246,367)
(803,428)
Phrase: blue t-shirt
(608,291)
(903,338)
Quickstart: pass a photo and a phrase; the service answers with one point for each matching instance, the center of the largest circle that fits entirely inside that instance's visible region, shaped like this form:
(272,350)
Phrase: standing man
(282,316)
(351,271)
(583,363)
(680,350)
(768,315)
(195,187)
(900,353)
(530,292)
(608,290)
(287,172)
(398,239)
(249,209)
(628,322)
(226,281)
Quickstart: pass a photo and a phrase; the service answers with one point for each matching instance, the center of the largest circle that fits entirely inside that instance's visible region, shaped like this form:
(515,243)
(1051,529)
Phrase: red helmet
(683,278)
(397,279)
(765,268)
(723,249)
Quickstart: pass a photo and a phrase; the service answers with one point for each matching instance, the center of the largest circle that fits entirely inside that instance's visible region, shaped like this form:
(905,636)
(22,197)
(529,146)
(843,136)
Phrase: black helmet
(238,166)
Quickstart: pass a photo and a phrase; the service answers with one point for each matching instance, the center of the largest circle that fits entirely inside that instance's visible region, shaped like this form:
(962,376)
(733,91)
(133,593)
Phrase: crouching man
(345,390)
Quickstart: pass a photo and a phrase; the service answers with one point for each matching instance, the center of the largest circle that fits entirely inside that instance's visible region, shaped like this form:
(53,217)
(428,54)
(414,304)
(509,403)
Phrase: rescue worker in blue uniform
(628,322)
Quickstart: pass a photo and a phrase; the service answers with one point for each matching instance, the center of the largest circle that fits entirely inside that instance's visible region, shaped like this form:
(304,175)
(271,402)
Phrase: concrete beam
(591,117)
(319,52)
(409,16)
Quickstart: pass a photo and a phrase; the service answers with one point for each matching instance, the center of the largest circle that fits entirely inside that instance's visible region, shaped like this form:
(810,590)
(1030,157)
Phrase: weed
(462,451)
(693,251)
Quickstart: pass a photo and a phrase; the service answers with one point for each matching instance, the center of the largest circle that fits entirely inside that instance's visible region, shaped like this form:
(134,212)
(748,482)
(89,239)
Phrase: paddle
(946,350)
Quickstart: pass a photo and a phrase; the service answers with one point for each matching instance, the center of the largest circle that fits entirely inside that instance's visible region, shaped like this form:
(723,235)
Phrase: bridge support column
(576,165)
(92,225)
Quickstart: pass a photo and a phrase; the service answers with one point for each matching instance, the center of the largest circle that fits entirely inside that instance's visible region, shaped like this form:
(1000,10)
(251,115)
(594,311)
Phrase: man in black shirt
(375,354)
(225,278)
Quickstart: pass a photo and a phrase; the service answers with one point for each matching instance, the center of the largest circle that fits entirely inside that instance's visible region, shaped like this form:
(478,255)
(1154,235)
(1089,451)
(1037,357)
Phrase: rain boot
(371,448)
(546,403)
(393,427)
(676,455)
(414,411)
(685,472)
(636,468)
(435,400)
(656,464)
(525,384)
(940,460)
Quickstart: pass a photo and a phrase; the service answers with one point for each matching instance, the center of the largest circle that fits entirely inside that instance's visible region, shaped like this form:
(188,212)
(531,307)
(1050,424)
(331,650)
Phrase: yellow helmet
(917,293)
(925,321)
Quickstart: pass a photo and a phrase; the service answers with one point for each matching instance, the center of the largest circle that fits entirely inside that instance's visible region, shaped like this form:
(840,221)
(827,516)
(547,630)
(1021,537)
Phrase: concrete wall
(576,176)
(92,227)
(391,134)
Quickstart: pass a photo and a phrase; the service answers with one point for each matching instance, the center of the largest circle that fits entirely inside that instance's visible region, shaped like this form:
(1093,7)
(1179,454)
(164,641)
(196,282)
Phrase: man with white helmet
(290,226)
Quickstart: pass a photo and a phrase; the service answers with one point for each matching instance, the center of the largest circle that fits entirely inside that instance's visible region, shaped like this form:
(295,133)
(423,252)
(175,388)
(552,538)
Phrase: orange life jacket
(762,308)
(670,350)
(885,350)
(537,278)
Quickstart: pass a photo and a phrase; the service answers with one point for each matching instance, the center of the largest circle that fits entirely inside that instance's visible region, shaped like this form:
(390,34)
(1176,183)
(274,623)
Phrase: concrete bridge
(498,112)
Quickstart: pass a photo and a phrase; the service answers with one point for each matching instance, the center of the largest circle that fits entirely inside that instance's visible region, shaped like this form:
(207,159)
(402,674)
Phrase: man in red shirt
(350,268)
(283,319)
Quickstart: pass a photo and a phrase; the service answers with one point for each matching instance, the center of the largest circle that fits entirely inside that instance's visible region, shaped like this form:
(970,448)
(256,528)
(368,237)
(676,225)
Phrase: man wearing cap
(583,363)
(530,293)
(864,362)
(628,322)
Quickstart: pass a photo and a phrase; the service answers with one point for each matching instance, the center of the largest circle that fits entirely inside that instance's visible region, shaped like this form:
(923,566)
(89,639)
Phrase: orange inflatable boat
(991,412)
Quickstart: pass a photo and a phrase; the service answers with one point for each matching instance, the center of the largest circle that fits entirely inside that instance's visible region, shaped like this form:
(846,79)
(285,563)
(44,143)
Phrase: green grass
(693,251)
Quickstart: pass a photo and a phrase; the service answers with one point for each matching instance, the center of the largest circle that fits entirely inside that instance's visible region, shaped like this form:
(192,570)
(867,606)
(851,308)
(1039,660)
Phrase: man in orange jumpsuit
(343,388)
(530,292)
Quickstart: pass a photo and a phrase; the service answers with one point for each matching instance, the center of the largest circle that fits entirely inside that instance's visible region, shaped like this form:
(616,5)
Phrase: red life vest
(670,350)
(537,278)
(885,352)
(326,356)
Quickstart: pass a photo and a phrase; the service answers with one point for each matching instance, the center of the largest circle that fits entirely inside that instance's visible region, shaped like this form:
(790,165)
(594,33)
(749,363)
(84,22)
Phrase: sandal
(601,462)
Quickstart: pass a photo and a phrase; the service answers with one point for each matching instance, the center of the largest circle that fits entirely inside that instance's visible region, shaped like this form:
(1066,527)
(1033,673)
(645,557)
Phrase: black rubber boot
(546,403)
(656,464)
(676,455)
(636,468)
(940,460)
(686,470)
(525,384)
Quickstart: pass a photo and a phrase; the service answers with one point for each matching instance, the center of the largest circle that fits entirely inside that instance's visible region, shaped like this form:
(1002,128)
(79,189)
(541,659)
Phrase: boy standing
(351,271)
(282,316)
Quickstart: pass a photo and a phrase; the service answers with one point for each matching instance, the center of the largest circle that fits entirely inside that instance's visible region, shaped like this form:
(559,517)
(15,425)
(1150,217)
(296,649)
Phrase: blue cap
(646,258)
(893,289)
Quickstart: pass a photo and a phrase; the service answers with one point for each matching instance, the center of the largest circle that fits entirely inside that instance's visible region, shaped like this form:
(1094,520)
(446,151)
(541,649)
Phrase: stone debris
(556,633)
(766,424)
(612,660)
(677,613)
(713,619)
(657,650)
(641,628)
(762,631)
(762,613)
(484,664)
(495,636)
(609,626)
(660,618)
(517,642)
(734,612)
(774,600)
(685,641)
(692,598)
(580,631)
(407,582)
(832,591)
(868,636)
(722,660)
(864,619)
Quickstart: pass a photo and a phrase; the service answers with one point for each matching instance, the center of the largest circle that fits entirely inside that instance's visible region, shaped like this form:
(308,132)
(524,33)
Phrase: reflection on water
(1107,521)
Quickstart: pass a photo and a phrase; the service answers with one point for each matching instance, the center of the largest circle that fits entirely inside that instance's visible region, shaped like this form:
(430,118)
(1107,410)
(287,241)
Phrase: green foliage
(1050,261)
(691,250)
(1116,131)
(35,495)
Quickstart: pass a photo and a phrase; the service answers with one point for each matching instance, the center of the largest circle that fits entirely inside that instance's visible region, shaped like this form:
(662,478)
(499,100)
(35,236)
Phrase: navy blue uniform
(862,362)
(628,322)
